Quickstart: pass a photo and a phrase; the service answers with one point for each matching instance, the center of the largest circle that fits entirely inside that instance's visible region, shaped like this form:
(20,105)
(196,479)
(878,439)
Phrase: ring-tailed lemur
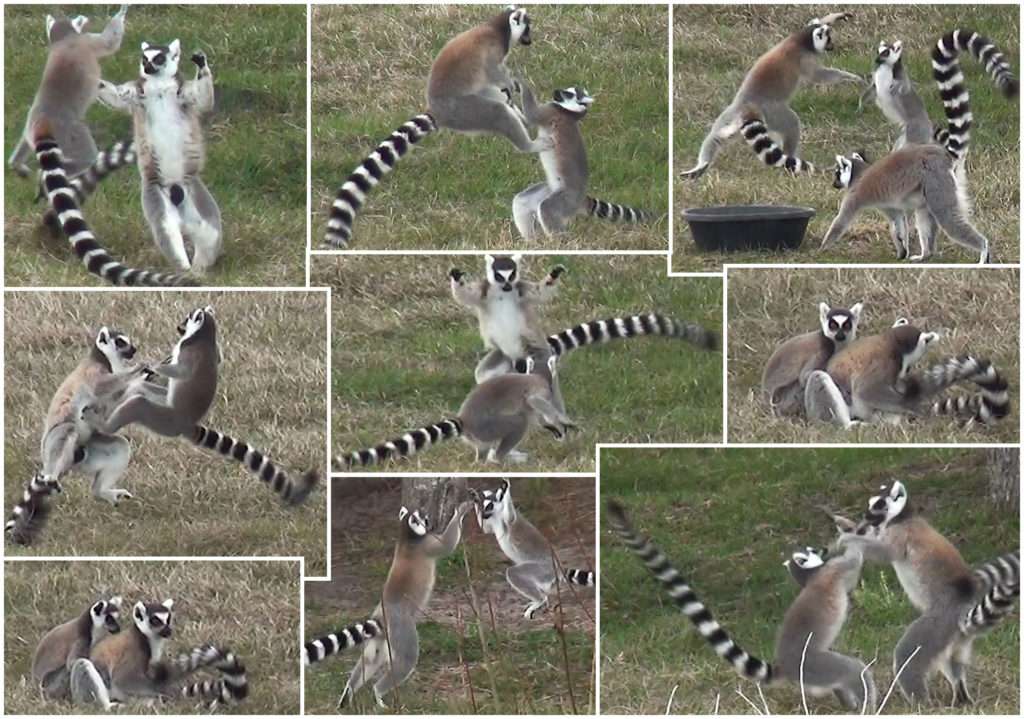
(761,104)
(120,154)
(166,114)
(131,665)
(954,604)
(178,409)
(469,90)
(68,443)
(63,645)
(786,371)
(872,379)
(68,87)
(495,417)
(388,659)
(536,572)
(803,648)
(551,205)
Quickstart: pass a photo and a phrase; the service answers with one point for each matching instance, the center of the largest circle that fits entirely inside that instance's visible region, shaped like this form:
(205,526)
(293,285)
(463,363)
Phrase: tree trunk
(1004,477)
(438,498)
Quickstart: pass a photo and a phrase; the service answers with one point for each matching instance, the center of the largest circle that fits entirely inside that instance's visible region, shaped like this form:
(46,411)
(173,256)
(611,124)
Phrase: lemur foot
(516,457)
(114,496)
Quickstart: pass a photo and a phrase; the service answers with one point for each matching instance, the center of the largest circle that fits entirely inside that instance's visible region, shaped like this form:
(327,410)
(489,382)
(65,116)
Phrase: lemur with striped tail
(495,417)
(389,658)
(177,409)
(536,572)
(66,643)
(166,113)
(954,602)
(551,205)
(803,648)
(469,90)
(761,105)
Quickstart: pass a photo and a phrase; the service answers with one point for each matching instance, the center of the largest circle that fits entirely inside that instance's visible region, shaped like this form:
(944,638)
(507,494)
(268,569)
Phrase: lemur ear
(139,610)
(856,309)
(402,513)
(168,603)
(50,22)
(79,22)
(823,310)
(517,258)
(145,45)
(103,336)
(116,601)
(175,48)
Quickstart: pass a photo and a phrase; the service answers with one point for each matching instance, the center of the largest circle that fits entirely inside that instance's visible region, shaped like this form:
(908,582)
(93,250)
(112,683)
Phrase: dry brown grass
(976,312)
(249,607)
(272,393)
(369,71)
(404,354)
(714,46)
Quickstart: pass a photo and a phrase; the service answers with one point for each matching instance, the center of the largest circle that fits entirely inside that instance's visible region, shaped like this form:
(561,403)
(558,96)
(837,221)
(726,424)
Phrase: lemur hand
(199,59)
(464,508)
(122,12)
(456,274)
(556,272)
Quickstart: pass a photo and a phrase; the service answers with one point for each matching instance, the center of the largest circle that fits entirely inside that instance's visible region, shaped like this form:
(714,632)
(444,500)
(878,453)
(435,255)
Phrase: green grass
(714,48)
(251,608)
(369,72)
(404,354)
(524,658)
(271,393)
(967,307)
(729,520)
(255,138)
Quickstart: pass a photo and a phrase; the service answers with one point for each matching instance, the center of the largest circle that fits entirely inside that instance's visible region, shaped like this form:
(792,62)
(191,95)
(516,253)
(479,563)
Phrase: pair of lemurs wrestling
(168,147)
(956,604)
(91,659)
(107,392)
(833,376)
(923,174)
(470,90)
(389,640)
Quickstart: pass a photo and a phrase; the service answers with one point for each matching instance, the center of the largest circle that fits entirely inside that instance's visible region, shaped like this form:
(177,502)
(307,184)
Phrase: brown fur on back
(776,74)
(898,174)
(459,65)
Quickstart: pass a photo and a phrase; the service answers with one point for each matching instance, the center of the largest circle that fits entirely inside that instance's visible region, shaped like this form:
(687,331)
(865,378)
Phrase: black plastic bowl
(748,227)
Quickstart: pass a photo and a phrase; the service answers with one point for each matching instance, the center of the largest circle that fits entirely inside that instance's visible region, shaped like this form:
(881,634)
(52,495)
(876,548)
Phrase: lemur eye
(156,621)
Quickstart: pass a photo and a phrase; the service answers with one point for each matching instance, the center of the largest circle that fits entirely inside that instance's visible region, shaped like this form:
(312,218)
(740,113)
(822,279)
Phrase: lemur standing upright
(166,115)
(536,572)
(551,205)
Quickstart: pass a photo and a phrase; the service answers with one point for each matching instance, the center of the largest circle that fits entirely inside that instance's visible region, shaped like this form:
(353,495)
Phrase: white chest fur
(166,129)
(885,90)
(502,323)
(549,162)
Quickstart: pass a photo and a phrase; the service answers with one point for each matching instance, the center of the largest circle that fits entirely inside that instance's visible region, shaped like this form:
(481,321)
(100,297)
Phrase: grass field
(728,519)
(714,48)
(272,393)
(255,142)
(522,666)
(251,608)
(369,73)
(974,311)
(404,356)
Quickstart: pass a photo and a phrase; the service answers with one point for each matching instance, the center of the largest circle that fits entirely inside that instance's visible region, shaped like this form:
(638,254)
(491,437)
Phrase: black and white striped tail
(291,490)
(999,579)
(950,79)
(120,154)
(687,601)
(755,133)
(31,511)
(581,577)
(1004,570)
(407,445)
(616,213)
(97,260)
(600,331)
(381,161)
(231,688)
(991,404)
(345,638)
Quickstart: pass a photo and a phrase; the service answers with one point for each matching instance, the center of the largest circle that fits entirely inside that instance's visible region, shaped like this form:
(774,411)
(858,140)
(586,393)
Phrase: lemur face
(106,613)
(115,346)
(503,271)
(889,54)
(152,619)
(803,564)
(57,30)
(574,99)
(195,321)
(160,61)
(843,173)
(821,37)
(839,325)
(888,505)
(418,524)
(518,26)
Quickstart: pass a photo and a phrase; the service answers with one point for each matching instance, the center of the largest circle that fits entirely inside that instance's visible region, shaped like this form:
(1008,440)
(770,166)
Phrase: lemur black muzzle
(111,624)
(525,38)
(165,632)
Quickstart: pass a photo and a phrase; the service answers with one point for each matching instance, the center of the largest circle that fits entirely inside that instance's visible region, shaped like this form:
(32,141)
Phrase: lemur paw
(456,274)
(556,272)
(199,59)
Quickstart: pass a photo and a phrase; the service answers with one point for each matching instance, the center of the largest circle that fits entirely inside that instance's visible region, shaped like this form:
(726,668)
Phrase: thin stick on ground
(752,704)
(803,658)
(864,683)
(764,702)
(560,629)
(896,679)
(718,702)
(475,604)
(668,707)
(461,627)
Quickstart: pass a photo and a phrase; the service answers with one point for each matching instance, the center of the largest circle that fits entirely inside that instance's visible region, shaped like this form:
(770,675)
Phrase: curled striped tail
(616,213)
(582,577)
(231,688)
(1003,570)
(381,161)
(600,331)
(30,513)
(999,579)
(956,101)
(991,404)
(745,665)
(120,154)
(340,640)
(755,133)
(292,491)
(405,446)
(84,243)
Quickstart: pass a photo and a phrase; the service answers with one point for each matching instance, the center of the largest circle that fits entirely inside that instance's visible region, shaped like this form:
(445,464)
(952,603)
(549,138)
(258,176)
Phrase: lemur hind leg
(927,639)
(927,233)
(841,674)
(511,430)
(899,231)
(524,209)
(159,418)
(88,686)
(494,364)
(165,223)
(954,668)
(823,402)
(533,580)
(779,118)
(369,666)
(202,224)
(556,211)
(403,655)
(106,458)
(725,126)
(480,114)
